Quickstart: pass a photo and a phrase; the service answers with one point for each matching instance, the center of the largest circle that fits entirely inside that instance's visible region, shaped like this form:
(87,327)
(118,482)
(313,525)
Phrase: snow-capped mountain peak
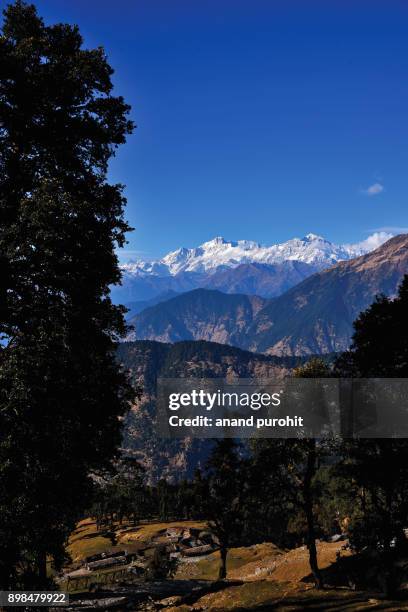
(215,242)
(220,253)
(311,237)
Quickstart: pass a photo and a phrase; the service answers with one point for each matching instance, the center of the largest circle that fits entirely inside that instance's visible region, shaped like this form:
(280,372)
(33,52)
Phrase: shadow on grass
(362,572)
(327,602)
(99,534)
(143,592)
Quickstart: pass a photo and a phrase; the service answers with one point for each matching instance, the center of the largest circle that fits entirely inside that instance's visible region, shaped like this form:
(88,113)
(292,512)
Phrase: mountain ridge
(317,315)
(314,316)
(312,249)
(201,314)
(219,263)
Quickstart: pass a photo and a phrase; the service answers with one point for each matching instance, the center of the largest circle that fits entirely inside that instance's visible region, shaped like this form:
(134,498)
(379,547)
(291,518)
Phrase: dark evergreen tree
(225,499)
(379,345)
(288,469)
(62,392)
(379,467)
(312,453)
(123,495)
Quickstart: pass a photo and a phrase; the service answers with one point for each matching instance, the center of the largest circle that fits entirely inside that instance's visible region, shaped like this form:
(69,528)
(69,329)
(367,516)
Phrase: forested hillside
(146,361)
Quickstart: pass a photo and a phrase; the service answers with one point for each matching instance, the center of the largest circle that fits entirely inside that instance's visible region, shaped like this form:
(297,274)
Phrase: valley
(148,360)
(313,317)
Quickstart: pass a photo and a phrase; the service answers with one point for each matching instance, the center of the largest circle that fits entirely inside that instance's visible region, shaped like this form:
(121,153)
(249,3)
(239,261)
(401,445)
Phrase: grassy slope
(273,579)
(240,562)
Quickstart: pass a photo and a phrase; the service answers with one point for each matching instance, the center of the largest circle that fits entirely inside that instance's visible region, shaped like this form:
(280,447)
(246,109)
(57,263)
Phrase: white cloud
(393,229)
(375,240)
(374,189)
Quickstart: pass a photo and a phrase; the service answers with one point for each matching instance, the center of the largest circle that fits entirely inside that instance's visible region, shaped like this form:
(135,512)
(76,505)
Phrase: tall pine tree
(223,497)
(62,392)
(379,467)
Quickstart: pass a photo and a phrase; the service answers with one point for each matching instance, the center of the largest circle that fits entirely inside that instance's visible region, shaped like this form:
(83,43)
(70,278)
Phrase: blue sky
(257,119)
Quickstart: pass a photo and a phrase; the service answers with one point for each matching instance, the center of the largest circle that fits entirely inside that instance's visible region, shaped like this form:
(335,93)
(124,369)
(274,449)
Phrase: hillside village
(261,577)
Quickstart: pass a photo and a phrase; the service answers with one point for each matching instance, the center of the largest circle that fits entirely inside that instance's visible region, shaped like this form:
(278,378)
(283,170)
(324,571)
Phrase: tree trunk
(308,505)
(389,553)
(222,574)
(313,562)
